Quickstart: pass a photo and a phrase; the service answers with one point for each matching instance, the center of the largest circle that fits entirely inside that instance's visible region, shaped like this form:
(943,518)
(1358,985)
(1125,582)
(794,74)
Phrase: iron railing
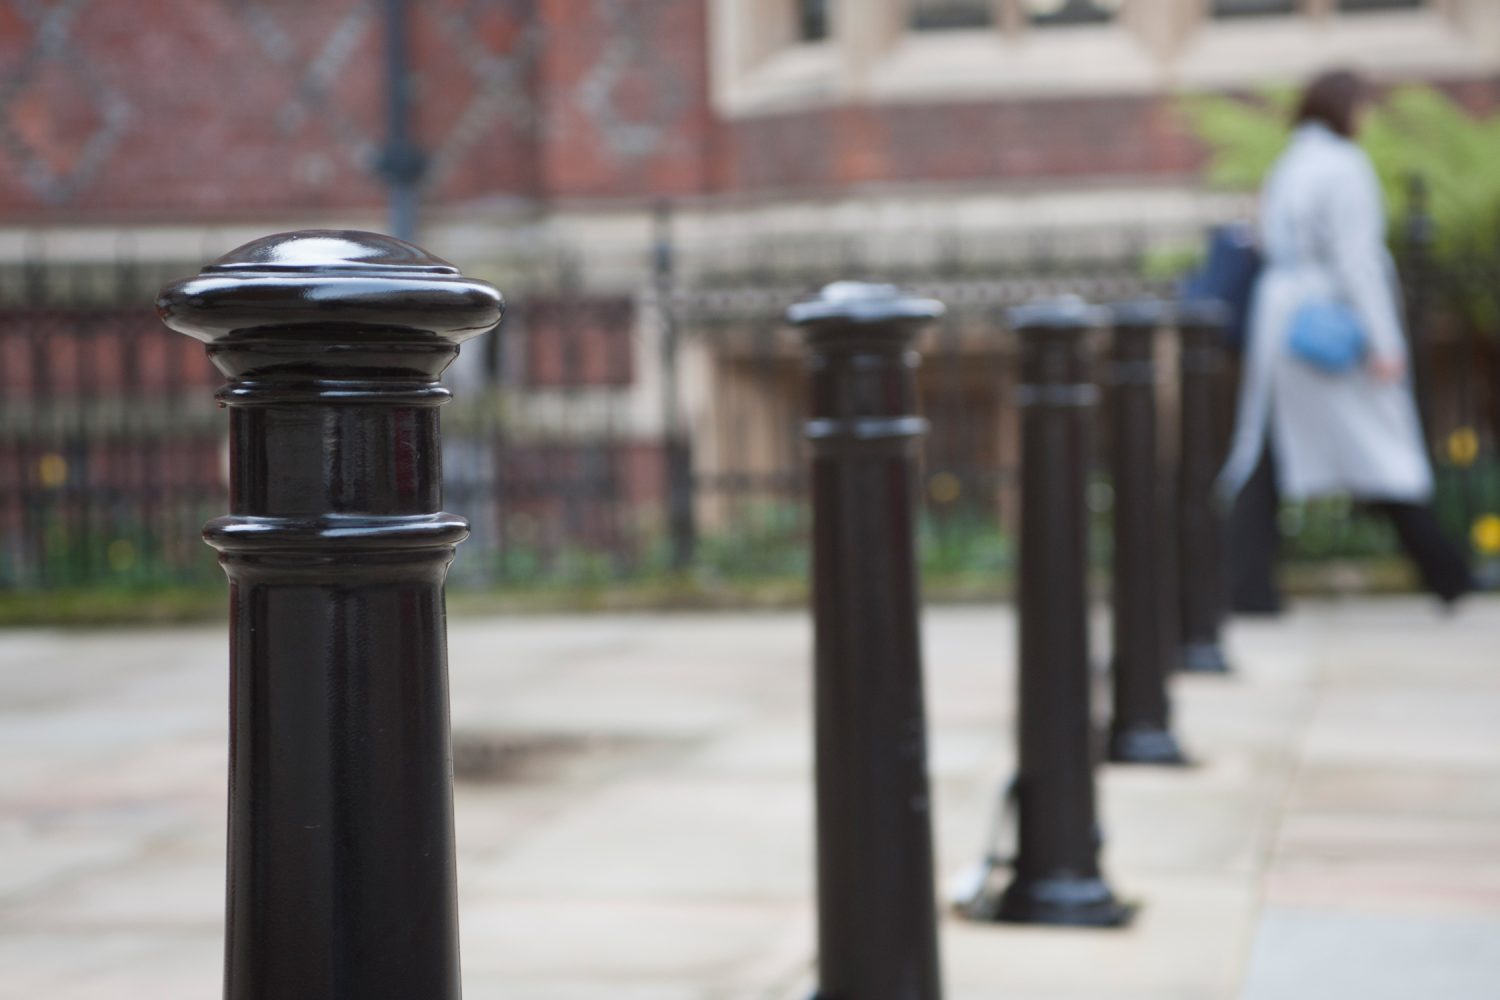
(610,434)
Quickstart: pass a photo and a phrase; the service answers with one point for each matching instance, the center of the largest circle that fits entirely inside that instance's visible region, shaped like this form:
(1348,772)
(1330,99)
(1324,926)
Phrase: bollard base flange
(1060,901)
(1145,745)
(1204,658)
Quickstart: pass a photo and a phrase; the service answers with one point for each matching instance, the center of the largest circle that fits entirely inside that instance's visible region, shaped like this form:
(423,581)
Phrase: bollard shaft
(341,875)
(1203,584)
(1057,878)
(1055,786)
(877,925)
(1140,730)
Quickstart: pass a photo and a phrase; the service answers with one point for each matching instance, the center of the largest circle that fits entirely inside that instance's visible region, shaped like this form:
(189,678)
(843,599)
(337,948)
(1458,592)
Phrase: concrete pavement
(634,812)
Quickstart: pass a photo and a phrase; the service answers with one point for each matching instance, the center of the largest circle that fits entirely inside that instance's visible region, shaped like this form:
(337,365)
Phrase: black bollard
(677,451)
(1203,584)
(1140,729)
(341,860)
(1056,869)
(877,923)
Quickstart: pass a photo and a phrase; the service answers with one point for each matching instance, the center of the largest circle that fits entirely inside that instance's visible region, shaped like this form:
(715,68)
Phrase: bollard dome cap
(1202,312)
(862,302)
(1062,313)
(330,285)
(1148,313)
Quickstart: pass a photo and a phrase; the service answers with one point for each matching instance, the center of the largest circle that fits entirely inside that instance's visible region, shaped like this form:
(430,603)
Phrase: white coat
(1322,230)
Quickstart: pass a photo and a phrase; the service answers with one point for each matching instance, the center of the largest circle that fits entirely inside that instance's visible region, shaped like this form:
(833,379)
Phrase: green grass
(107,606)
(74,606)
(964,558)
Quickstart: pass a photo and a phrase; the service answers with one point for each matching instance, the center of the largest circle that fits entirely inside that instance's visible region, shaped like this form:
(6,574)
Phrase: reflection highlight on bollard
(341,877)
(1055,874)
(1201,524)
(1140,726)
(877,923)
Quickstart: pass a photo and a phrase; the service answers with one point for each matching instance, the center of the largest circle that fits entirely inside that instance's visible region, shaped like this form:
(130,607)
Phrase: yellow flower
(52,470)
(121,555)
(944,487)
(1486,534)
(1463,447)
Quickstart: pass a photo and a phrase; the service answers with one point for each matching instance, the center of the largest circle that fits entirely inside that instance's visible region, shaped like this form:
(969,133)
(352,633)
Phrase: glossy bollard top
(1054,368)
(862,304)
(341,868)
(331,302)
(1142,314)
(1063,314)
(859,335)
(1134,325)
(333,343)
(1200,314)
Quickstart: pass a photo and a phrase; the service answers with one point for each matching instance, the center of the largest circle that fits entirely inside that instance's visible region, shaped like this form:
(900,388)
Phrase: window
(1264,8)
(1360,6)
(812,20)
(1050,13)
(941,15)
(1254,8)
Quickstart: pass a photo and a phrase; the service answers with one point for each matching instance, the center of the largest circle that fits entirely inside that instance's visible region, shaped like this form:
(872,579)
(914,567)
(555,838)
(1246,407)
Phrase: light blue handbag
(1327,336)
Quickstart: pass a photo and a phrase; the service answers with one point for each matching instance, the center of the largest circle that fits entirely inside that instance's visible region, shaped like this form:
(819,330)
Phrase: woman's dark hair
(1332,100)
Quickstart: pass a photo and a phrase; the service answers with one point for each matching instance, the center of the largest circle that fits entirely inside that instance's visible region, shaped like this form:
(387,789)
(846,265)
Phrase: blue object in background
(1228,275)
(1327,335)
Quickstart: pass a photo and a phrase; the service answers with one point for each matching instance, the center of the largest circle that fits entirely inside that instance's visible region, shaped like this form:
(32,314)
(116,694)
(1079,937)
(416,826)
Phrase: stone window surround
(1152,46)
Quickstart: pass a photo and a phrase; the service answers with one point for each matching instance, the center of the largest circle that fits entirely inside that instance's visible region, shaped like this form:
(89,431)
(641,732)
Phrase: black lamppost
(402,162)
(677,455)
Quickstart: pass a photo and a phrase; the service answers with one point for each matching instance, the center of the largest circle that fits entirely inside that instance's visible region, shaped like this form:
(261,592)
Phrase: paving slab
(634,812)
(1315,954)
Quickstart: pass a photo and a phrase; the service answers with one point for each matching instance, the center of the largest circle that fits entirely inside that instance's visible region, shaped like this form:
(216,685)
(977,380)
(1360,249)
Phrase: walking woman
(1310,425)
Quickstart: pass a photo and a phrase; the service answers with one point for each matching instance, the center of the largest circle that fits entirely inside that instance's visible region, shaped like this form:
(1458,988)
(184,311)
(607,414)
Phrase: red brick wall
(1036,139)
(972,141)
(575,342)
(624,106)
(62,353)
(211,108)
(217,109)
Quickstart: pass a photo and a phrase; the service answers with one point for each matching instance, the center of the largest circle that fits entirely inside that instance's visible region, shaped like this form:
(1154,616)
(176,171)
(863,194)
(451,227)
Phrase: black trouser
(1442,565)
(1254,541)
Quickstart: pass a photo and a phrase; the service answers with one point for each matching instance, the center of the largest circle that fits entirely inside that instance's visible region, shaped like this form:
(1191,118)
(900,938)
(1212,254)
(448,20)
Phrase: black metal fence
(105,454)
(643,429)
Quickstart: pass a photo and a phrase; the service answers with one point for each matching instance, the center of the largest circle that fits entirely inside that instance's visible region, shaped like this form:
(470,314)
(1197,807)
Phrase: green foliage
(109,604)
(1466,493)
(1333,528)
(1244,136)
(1170,263)
(769,540)
(1420,132)
(1416,132)
(963,542)
(106,548)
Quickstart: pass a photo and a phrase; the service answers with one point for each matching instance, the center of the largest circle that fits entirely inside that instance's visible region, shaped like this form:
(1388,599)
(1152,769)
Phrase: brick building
(171,130)
(209,113)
